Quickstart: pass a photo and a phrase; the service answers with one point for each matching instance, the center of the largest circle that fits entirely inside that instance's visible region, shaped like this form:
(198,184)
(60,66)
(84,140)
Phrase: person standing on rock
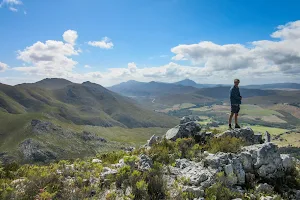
(235,101)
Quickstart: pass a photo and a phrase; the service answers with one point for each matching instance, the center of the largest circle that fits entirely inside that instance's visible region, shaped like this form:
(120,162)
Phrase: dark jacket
(235,96)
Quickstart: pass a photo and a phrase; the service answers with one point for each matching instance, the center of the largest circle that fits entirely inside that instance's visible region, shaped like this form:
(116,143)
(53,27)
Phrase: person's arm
(239,94)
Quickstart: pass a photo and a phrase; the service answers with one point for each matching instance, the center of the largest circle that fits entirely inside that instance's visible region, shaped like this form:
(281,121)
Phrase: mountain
(49,83)
(61,112)
(86,104)
(134,88)
(275,86)
(189,82)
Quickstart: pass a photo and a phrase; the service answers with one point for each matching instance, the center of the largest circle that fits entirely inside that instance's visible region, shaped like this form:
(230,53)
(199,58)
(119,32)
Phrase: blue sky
(163,40)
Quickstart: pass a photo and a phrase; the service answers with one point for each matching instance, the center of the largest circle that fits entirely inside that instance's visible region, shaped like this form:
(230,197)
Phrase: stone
(107,172)
(266,160)
(172,134)
(190,118)
(95,160)
(245,134)
(266,198)
(153,140)
(195,172)
(264,188)
(267,137)
(145,162)
(287,162)
(202,137)
(189,129)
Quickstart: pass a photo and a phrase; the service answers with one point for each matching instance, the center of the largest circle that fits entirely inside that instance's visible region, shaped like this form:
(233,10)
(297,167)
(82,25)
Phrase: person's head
(236,82)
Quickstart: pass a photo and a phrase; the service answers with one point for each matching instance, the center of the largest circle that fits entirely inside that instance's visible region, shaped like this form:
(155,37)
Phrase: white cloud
(87,66)
(13,9)
(274,60)
(3,67)
(271,56)
(11,4)
(105,43)
(70,36)
(132,67)
(51,58)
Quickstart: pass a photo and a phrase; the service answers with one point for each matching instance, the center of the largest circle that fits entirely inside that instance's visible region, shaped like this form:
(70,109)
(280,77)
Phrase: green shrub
(140,190)
(111,196)
(218,191)
(112,157)
(122,177)
(184,145)
(156,184)
(225,144)
(165,152)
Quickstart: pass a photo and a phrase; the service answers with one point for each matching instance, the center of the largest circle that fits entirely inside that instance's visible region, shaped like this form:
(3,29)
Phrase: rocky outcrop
(245,134)
(43,127)
(255,162)
(33,151)
(87,136)
(189,129)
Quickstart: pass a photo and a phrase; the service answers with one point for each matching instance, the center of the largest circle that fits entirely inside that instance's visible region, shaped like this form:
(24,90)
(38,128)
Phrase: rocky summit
(188,162)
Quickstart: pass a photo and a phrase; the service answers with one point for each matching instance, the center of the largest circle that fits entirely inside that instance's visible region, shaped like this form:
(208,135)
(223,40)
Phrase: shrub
(225,144)
(140,190)
(184,145)
(112,157)
(156,184)
(164,152)
(123,176)
(220,191)
(111,196)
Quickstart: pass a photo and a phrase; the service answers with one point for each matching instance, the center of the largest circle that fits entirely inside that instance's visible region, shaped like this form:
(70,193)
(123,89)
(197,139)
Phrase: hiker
(235,101)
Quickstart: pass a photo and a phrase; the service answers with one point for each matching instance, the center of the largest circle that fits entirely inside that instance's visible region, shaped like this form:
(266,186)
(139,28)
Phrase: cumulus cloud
(105,43)
(87,66)
(273,60)
(281,55)
(132,67)
(3,67)
(50,58)
(70,36)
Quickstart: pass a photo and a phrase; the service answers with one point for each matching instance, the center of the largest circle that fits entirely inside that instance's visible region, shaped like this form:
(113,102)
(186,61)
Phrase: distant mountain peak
(186,82)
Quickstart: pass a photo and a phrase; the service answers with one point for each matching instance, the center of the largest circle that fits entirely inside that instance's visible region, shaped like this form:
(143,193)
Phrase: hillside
(188,162)
(71,109)
(275,86)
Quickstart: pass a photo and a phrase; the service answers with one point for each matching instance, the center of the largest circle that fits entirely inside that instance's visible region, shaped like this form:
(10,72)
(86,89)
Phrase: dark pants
(235,108)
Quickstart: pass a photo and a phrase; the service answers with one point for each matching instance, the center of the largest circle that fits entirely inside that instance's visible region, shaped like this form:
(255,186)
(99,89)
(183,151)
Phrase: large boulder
(245,134)
(189,129)
(264,160)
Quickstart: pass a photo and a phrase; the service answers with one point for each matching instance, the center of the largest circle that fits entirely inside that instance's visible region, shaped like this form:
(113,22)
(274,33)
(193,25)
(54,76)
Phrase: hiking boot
(237,126)
(230,126)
